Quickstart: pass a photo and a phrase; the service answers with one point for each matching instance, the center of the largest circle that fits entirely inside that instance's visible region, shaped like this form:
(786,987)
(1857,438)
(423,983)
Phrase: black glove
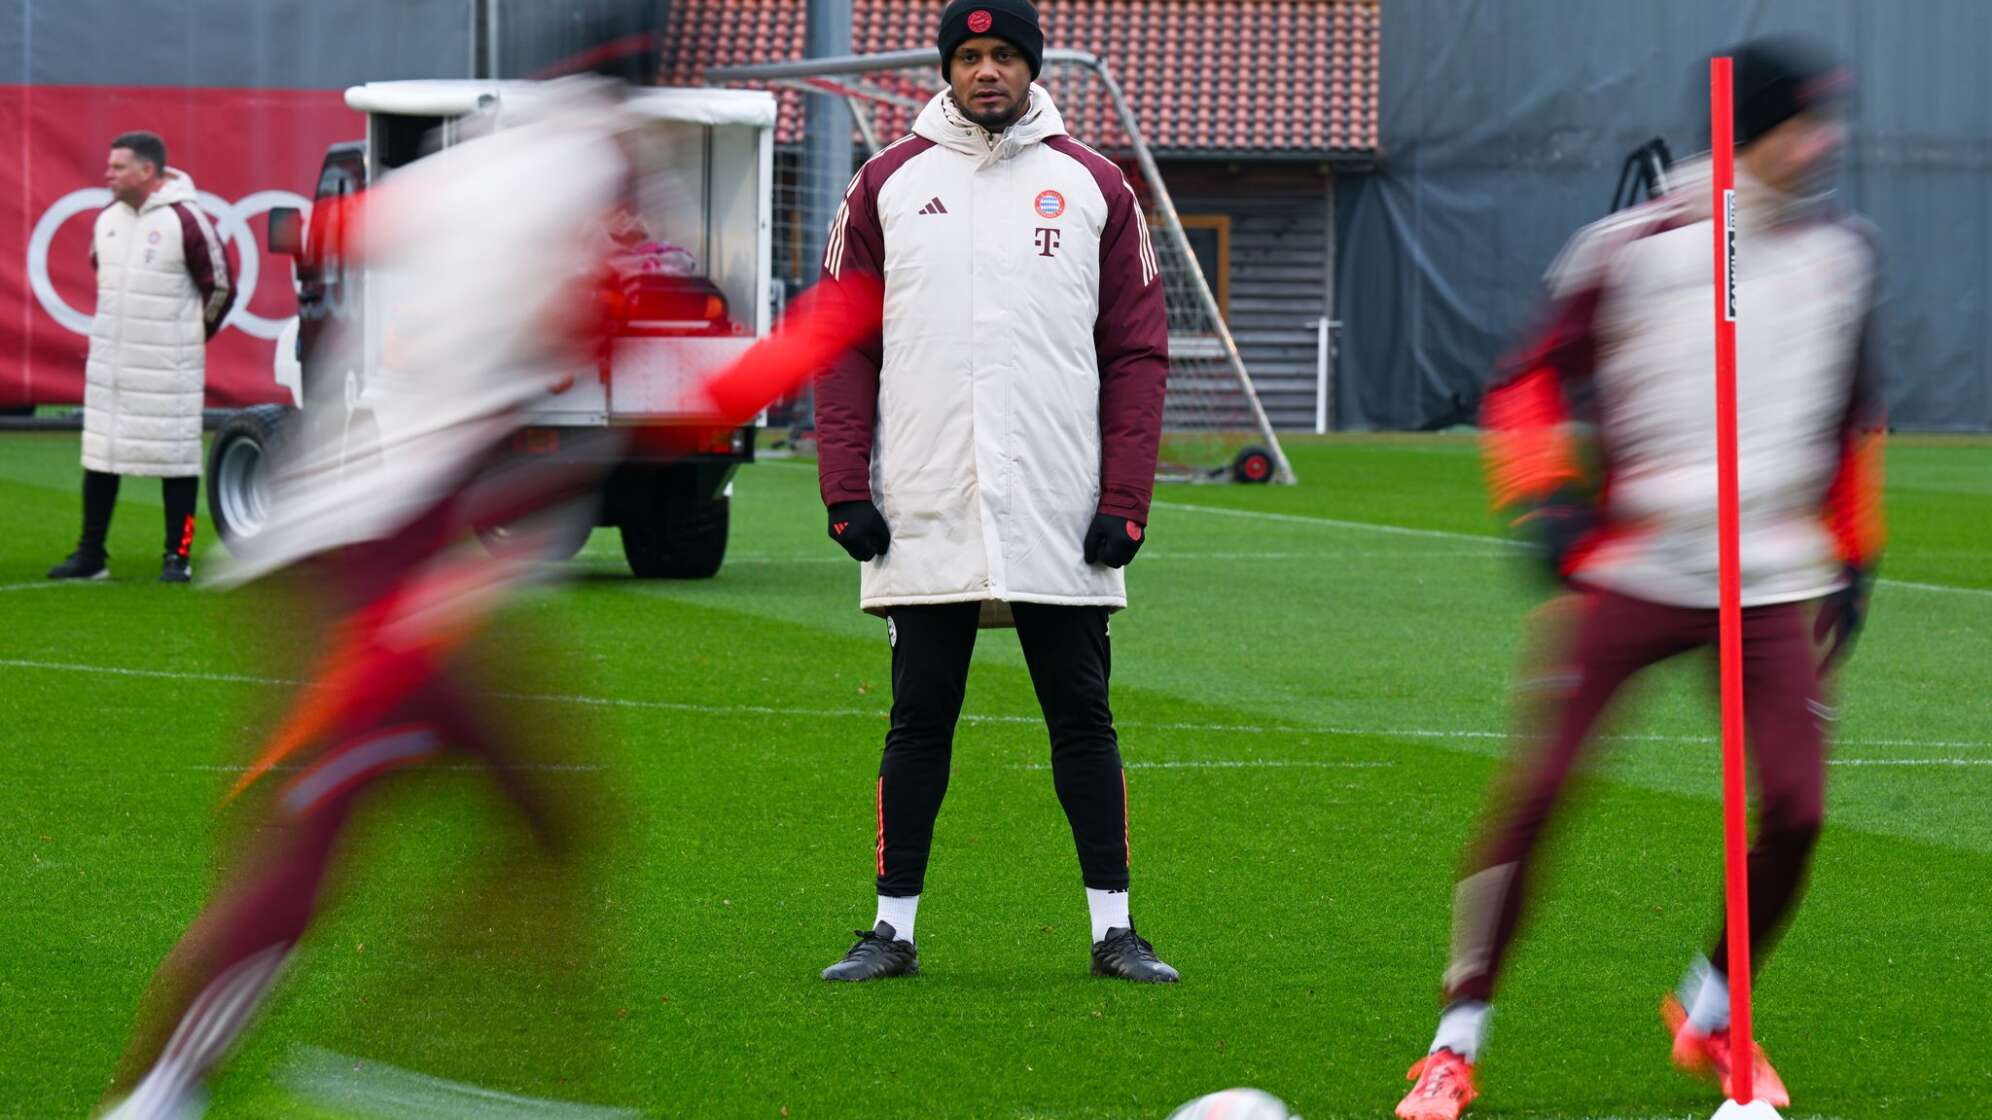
(1841,616)
(1557,527)
(860,528)
(1112,540)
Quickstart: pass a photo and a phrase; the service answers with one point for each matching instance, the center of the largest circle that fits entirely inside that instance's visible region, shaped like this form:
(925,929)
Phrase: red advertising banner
(247,150)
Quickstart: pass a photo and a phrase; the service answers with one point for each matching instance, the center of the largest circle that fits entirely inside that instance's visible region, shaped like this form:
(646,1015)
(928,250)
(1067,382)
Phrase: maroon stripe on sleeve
(207,263)
(1131,340)
(847,391)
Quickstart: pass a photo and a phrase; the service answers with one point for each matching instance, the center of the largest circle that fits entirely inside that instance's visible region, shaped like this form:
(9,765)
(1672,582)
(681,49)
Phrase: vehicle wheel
(689,546)
(240,462)
(1253,464)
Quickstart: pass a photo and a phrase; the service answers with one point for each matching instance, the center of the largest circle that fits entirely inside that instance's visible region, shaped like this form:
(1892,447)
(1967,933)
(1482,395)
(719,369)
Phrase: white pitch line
(156,674)
(855,713)
(45,584)
(1168,555)
(1945,588)
(468,767)
(1449,535)
(1909,762)
(1337,523)
(1482,538)
(1534,1114)
(333,1079)
(1457,734)
(1237,764)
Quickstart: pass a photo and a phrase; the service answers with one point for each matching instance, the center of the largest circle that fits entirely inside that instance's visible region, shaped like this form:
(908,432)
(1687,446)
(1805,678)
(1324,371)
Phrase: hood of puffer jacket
(1758,204)
(943,122)
(178,187)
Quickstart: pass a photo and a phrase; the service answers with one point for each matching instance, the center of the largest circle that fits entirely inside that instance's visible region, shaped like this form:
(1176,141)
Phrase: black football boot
(1125,955)
(878,954)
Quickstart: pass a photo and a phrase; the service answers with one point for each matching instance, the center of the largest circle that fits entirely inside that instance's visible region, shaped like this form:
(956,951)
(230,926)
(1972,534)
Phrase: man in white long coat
(989,455)
(163,290)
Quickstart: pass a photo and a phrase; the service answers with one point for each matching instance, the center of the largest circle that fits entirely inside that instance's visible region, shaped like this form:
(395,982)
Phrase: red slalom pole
(1735,789)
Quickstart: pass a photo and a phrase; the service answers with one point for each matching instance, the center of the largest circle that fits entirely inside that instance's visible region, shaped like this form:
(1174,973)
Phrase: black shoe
(79,566)
(1125,955)
(878,954)
(176,569)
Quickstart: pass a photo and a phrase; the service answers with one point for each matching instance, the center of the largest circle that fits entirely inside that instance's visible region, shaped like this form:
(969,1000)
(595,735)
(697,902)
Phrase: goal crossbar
(844,77)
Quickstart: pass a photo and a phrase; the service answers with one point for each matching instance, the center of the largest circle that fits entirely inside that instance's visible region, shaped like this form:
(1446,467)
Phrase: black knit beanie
(1779,78)
(1015,21)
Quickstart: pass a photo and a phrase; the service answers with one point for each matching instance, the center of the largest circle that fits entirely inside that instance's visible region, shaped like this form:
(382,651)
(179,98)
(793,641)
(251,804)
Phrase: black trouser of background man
(1066,649)
(100,497)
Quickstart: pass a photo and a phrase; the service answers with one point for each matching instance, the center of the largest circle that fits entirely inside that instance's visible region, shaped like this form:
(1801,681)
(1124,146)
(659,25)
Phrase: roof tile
(1240,75)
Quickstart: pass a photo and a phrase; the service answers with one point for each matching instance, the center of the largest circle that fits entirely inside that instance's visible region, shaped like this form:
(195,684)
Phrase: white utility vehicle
(692,261)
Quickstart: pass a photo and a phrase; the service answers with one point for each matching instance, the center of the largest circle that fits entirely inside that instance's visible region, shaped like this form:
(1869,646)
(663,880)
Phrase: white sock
(1461,1029)
(171,1089)
(898,913)
(1109,910)
(1709,1009)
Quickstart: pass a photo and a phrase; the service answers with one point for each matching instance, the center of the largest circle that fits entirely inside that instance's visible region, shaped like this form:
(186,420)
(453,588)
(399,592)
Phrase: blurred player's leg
(1781,690)
(383,703)
(931,647)
(1071,663)
(1615,638)
(210,985)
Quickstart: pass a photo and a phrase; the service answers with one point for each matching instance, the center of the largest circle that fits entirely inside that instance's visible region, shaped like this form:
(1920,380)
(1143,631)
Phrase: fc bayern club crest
(1049,204)
(979,21)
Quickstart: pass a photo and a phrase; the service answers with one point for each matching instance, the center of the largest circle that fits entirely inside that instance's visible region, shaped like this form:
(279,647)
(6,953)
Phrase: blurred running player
(479,335)
(1626,350)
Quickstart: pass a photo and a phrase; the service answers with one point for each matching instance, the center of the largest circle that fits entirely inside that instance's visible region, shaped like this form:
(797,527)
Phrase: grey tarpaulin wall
(1504,123)
(256,44)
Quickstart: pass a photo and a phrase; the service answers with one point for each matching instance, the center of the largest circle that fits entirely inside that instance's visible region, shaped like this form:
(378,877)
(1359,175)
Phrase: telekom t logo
(1047,240)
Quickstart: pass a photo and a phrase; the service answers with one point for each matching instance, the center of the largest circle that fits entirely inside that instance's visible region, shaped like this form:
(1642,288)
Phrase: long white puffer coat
(1017,386)
(162,289)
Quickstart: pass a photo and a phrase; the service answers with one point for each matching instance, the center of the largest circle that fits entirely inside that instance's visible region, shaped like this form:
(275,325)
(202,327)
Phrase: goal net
(1214,428)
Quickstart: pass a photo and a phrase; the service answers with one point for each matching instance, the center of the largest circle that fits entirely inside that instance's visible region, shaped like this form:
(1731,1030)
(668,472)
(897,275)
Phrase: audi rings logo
(231,223)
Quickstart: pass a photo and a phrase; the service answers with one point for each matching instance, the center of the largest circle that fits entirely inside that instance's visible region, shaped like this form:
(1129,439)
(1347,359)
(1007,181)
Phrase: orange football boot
(1705,1054)
(1443,1089)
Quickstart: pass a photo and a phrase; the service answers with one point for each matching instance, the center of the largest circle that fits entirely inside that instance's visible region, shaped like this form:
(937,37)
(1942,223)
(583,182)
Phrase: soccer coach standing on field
(990,456)
(163,290)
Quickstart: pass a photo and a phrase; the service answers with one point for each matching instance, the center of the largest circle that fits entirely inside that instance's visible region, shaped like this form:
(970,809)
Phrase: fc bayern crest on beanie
(1014,21)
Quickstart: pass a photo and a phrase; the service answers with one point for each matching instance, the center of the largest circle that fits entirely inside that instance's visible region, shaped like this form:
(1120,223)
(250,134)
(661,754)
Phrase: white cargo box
(705,185)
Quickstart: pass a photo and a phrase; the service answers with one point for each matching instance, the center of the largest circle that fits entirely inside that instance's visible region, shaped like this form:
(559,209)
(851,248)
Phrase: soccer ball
(1235,1104)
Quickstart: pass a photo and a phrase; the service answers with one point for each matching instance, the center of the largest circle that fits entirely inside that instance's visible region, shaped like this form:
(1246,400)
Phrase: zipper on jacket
(117,351)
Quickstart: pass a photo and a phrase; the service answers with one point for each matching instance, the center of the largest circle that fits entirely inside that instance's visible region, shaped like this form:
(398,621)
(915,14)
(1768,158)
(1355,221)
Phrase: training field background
(1310,687)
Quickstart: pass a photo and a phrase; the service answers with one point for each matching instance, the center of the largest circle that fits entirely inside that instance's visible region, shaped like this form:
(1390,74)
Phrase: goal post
(1214,426)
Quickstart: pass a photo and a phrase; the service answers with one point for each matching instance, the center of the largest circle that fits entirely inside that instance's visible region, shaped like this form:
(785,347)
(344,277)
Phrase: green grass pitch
(1310,688)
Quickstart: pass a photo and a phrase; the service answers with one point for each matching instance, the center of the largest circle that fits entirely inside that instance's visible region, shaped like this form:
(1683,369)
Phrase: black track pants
(1066,649)
(100,497)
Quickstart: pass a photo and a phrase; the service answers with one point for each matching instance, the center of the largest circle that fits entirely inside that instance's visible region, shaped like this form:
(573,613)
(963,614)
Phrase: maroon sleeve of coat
(847,391)
(1131,341)
(207,263)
